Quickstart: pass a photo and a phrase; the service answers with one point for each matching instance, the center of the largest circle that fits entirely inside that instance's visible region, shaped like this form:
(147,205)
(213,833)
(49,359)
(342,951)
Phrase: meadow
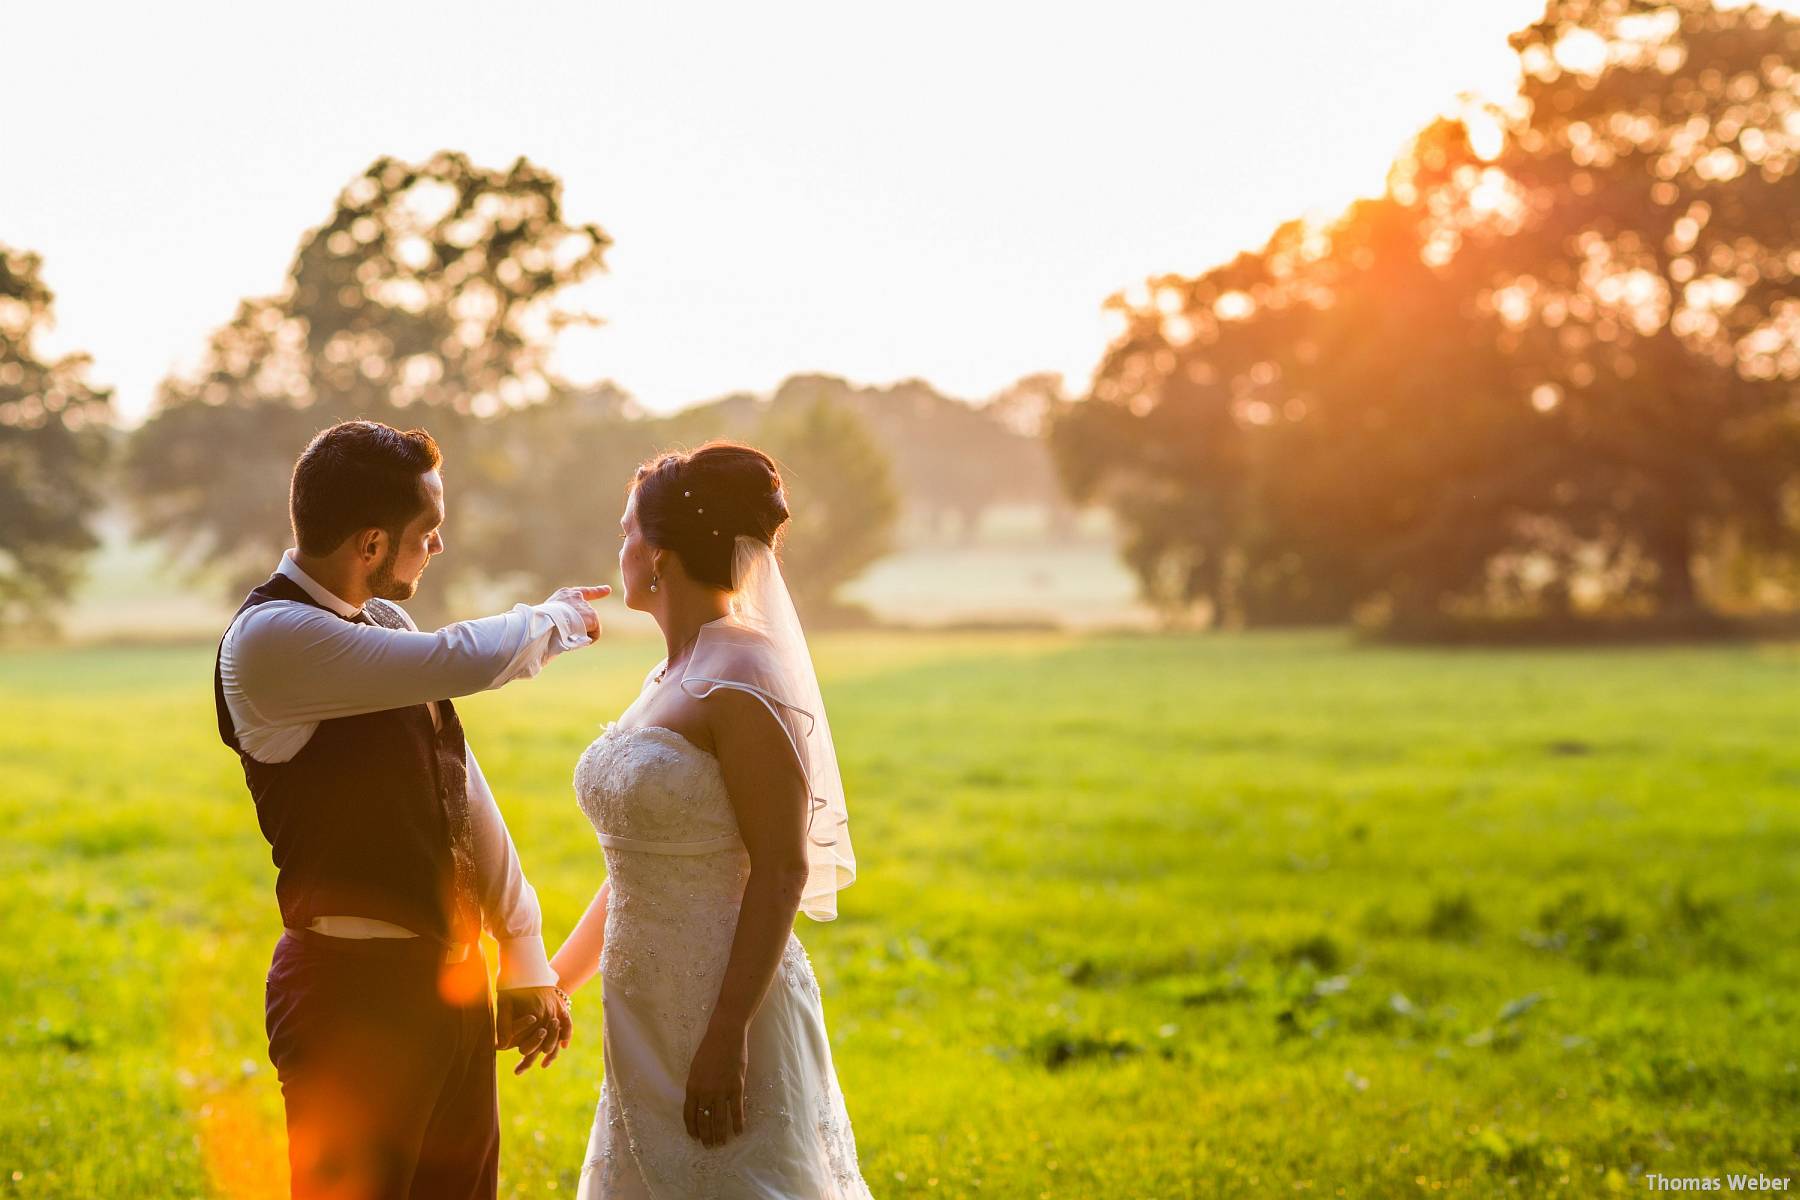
(1137,916)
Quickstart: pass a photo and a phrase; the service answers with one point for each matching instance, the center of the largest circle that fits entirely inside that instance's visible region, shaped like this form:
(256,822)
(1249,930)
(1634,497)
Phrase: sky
(946,191)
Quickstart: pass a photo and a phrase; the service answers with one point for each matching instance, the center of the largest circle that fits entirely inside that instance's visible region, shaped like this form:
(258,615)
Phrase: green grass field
(1137,917)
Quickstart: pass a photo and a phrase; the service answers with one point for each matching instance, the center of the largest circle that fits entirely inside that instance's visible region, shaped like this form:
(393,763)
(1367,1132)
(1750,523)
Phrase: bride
(720,811)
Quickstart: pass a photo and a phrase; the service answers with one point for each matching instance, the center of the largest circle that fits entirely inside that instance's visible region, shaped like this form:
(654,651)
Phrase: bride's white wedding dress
(678,870)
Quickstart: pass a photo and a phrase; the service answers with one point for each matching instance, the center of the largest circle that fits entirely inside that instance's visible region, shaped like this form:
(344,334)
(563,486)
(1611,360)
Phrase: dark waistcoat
(371,817)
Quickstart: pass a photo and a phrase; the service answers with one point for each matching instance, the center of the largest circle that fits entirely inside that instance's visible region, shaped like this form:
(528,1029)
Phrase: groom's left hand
(534,1019)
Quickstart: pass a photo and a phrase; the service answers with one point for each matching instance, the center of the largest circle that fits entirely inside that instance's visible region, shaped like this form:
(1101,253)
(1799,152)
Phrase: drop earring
(653,583)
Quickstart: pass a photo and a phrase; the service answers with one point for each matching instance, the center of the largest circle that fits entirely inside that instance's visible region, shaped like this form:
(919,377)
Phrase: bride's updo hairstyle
(698,502)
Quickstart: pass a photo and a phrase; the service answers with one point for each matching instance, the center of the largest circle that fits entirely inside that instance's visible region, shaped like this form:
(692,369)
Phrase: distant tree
(1029,407)
(53,450)
(554,477)
(428,298)
(842,497)
(952,460)
(1029,404)
(1557,355)
(1650,287)
(1184,438)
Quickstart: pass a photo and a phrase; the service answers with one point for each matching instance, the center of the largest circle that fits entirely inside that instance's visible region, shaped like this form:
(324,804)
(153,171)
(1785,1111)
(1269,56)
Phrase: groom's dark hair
(358,475)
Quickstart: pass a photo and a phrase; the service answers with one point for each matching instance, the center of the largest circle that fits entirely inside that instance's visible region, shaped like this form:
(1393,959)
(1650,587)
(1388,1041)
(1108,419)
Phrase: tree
(1541,368)
(556,477)
(1651,284)
(1029,407)
(53,450)
(841,498)
(1186,436)
(950,458)
(429,297)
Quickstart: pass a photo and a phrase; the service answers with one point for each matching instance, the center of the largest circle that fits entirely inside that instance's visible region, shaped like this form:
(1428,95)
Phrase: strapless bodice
(646,787)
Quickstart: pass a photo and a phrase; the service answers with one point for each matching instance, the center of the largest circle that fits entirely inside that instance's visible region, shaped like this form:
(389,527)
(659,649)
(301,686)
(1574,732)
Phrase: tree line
(1550,372)
(430,297)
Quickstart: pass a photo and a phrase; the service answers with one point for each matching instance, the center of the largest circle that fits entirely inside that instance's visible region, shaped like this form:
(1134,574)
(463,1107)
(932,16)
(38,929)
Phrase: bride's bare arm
(576,961)
(768,795)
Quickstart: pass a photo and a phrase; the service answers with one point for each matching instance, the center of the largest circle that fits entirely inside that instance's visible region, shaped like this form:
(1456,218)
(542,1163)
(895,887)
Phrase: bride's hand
(714,1109)
(534,1019)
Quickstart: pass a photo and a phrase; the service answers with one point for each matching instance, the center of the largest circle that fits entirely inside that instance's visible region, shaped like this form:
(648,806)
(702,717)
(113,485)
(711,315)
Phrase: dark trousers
(386,1061)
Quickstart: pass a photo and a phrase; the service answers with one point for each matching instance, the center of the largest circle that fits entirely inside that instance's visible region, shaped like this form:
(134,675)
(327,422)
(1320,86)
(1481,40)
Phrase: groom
(389,848)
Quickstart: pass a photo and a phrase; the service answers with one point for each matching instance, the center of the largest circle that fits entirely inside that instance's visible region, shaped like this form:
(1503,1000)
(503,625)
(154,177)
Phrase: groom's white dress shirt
(286,666)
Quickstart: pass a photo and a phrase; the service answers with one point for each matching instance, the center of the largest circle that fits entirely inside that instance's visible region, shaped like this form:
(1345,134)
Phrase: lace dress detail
(678,872)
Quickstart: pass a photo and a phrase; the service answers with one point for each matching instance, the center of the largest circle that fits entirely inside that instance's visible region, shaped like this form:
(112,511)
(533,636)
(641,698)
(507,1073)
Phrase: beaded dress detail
(678,871)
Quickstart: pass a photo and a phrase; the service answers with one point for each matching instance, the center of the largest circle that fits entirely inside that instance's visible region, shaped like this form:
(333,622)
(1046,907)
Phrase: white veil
(760,649)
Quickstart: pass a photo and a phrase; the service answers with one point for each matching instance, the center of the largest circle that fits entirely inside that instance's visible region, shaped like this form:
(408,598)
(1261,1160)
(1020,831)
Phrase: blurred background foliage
(1552,369)
(53,449)
(1545,382)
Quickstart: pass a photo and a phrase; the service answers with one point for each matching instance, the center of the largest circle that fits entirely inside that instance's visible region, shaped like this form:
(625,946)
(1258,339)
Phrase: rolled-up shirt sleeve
(509,904)
(300,664)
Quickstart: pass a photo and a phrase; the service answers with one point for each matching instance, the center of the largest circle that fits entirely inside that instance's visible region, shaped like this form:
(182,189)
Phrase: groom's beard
(384,585)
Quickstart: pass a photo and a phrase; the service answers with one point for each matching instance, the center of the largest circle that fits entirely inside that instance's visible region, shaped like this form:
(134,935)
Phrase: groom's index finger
(596,592)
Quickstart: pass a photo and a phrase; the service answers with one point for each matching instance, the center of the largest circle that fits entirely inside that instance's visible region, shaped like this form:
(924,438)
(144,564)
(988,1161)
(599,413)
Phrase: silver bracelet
(567,1003)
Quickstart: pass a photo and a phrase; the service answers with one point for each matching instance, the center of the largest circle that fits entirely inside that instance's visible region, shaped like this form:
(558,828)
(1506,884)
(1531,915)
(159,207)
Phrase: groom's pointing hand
(578,597)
